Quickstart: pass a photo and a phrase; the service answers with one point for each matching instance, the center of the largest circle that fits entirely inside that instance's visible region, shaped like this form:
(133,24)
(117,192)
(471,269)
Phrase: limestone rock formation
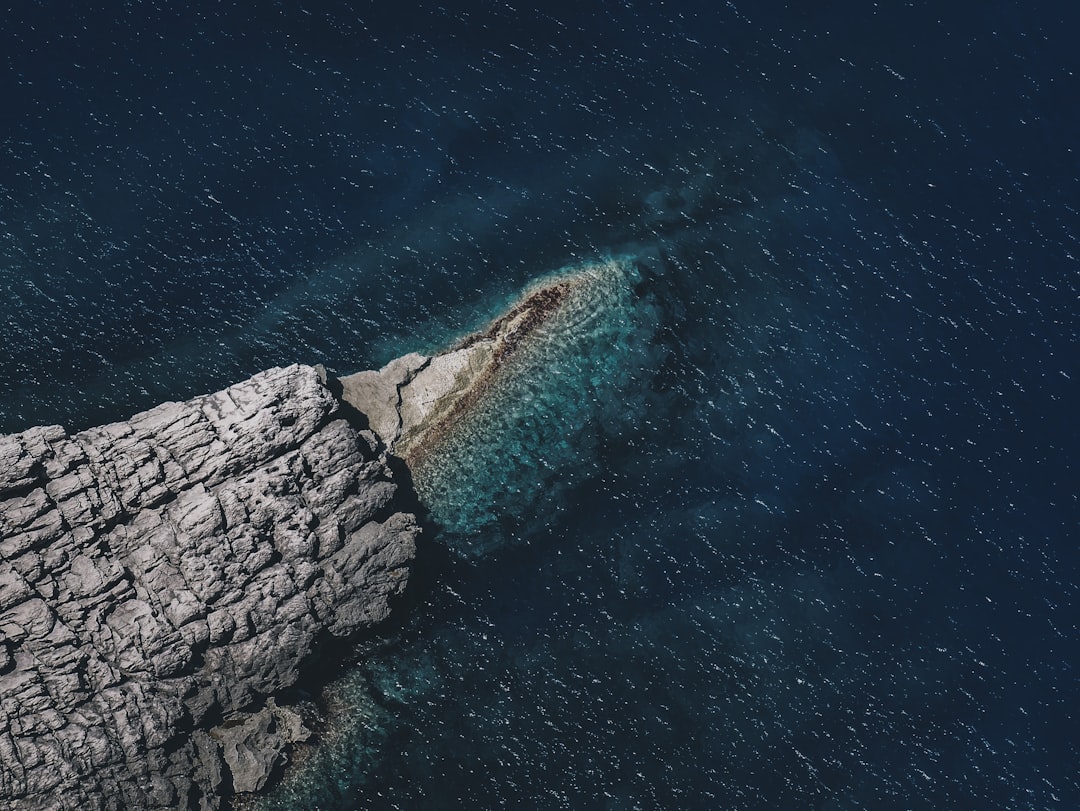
(162,578)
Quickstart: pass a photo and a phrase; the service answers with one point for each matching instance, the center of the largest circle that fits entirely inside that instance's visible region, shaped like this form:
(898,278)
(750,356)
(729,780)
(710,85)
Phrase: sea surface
(783,515)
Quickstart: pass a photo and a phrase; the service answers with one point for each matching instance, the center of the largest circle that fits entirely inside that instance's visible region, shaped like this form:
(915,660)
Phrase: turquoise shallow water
(793,526)
(592,633)
(582,375)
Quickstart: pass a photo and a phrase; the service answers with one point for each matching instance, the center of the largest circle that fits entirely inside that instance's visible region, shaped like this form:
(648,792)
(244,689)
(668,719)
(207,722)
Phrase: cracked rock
(163,578)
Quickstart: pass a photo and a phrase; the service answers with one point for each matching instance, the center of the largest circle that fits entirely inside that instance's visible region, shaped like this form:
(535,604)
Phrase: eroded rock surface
(160,578)
(414,400)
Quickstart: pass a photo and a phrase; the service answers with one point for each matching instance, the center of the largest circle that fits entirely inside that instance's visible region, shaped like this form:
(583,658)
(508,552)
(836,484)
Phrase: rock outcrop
(163,578)
(414,400)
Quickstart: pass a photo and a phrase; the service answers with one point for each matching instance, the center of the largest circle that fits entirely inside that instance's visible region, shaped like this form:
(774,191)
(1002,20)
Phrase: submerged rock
(162,578)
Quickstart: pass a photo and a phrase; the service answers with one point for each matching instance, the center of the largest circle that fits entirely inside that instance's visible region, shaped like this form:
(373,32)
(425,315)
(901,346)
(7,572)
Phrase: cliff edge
(163,579)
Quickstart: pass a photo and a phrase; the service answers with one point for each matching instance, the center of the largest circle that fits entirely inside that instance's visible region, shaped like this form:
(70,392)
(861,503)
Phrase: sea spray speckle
(823,556)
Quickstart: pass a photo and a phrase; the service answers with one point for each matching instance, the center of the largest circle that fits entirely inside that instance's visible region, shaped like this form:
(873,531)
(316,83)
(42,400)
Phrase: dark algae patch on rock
(163,579)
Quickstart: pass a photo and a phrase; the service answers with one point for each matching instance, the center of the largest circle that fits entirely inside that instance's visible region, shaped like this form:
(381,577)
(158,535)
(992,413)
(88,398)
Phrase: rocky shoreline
(415,400)
(163,579)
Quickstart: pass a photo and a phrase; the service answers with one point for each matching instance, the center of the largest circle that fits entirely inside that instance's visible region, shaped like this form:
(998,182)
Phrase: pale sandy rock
(440,385)
(378,394)
(413,402)
(409,395)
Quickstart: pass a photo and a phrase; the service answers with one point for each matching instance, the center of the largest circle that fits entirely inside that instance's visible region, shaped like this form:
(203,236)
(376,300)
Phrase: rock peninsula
(414,400)
(163,580)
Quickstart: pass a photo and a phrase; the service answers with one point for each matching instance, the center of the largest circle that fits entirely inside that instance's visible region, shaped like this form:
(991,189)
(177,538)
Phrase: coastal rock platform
(415,400)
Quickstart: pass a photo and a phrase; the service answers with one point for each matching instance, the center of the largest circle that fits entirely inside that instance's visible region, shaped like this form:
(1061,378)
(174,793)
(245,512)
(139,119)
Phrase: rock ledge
(414,401)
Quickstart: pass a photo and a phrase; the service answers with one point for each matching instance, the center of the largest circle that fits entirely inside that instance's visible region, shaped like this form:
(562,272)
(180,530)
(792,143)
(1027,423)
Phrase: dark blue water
(801,534)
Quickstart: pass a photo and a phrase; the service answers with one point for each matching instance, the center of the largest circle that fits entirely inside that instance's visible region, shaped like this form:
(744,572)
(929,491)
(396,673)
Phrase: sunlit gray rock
(162,578)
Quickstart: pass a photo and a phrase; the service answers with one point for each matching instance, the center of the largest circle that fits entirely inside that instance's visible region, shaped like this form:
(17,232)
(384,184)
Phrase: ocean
(783,515)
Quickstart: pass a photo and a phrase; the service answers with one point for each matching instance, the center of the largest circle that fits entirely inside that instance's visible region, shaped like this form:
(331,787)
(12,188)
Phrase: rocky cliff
(163,579)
